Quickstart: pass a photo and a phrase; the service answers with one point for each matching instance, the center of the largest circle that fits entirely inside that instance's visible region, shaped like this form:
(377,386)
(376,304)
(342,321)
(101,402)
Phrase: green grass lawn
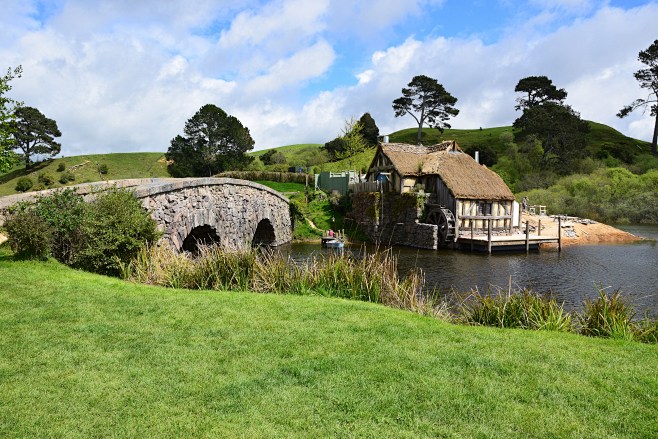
(83,355)
(120,166)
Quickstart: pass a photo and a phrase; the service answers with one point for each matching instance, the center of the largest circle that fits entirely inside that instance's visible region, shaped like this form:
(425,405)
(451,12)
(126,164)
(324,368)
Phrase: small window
(484,208)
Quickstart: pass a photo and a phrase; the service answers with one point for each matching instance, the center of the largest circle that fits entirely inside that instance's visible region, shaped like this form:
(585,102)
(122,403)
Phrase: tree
(538,89)
(7,117)
(648,79)
(427,101)
(35,134)
(563,134)
(351,141)
(369,129)
(214,142)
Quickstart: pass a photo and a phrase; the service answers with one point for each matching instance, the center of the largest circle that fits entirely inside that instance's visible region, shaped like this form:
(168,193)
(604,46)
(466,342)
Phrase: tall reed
(607,316)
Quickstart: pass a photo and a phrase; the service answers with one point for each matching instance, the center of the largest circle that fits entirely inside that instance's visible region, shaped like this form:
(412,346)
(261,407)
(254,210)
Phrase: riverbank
(90,355)
(580,231)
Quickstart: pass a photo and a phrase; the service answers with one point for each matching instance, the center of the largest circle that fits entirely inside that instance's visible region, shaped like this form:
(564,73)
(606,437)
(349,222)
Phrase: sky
(125,75)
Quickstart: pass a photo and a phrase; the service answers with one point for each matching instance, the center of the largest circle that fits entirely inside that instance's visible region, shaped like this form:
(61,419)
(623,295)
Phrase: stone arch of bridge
(264,234)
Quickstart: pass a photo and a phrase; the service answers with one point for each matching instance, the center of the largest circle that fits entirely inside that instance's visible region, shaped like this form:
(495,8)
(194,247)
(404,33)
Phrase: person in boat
(331,233)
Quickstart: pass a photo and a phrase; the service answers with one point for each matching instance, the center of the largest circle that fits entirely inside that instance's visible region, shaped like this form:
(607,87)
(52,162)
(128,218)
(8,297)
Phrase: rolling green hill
(120,166)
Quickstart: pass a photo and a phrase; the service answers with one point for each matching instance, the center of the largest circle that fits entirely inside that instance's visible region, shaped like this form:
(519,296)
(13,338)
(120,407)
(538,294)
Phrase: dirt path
(575,232)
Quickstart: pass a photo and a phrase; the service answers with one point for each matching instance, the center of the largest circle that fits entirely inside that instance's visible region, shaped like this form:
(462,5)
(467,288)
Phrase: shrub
(46,179)
(61,167)
(66,177)
(28,234)
(115,227)
(103,169)
(24,184)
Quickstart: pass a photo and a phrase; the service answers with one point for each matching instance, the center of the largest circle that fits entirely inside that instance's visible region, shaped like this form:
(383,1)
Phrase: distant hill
(85,169)
(604,140)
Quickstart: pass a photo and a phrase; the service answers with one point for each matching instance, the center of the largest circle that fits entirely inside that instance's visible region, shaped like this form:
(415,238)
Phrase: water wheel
(445,220)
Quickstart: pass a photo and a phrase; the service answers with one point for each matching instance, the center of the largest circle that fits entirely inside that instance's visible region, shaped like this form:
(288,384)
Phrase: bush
(46,179)
(103,169)
(66,177)
(24,184)
(607,316)
(99,236)
(115,227)
(28,234)
(61,167)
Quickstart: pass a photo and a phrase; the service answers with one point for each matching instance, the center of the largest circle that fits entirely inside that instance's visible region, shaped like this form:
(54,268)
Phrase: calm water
(572,274)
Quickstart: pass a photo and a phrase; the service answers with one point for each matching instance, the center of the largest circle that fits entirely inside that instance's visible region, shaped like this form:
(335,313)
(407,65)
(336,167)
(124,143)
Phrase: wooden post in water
(527,236)
(472,235)
(559,233)
(489,236)
(539,228)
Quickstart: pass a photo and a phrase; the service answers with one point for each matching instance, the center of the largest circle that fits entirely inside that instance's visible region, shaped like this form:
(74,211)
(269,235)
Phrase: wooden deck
(516,242)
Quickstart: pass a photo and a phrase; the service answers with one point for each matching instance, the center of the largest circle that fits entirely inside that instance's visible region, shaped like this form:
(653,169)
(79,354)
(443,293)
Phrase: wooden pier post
(559,234)
(489,236)
(527,236)
(472,235)
(539,228)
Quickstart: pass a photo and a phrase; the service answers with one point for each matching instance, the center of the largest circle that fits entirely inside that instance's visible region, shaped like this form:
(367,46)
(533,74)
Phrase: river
(571,275)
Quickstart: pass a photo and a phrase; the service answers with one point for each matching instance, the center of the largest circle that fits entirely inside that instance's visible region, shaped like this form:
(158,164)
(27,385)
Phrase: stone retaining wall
(393,219)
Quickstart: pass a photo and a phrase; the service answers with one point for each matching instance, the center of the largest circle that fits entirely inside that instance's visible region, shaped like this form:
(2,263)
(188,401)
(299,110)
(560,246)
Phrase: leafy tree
(351,141)
(35,133)
(648,79)
(563,134)
(428,102)
(559,129)
(335,148)
(369,129)
(214,142)
(538,89)
(273,157)
(7,117)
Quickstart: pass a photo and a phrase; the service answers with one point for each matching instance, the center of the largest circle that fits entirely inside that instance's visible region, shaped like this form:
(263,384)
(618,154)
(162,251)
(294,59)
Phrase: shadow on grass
(22,172)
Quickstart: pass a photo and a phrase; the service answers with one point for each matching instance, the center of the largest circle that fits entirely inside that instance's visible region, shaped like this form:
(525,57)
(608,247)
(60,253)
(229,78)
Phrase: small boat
(333,243)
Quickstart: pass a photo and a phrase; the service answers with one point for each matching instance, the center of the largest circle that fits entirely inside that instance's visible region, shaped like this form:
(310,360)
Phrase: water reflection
(573,274)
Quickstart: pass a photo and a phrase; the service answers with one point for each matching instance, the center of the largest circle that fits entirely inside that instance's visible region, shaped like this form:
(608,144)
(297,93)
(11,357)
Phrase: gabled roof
(462,175)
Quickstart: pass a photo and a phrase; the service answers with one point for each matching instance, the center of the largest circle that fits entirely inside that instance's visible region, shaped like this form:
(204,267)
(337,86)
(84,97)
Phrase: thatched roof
(463,176)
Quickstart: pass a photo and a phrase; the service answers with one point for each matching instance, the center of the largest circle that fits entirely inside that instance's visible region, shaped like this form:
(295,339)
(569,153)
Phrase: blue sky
(125,75)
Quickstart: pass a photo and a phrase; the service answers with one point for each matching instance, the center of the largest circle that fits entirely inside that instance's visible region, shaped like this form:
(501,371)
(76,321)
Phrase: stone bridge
(234,213)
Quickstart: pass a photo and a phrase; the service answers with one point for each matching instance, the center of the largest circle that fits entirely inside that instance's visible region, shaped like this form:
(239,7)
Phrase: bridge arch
(235,214)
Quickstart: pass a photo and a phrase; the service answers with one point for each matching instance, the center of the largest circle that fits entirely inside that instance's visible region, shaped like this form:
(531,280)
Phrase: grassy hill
(83,355)
(120,166)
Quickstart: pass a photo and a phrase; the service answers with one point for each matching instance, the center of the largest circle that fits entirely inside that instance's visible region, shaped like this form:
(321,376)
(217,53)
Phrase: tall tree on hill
(7,117)
(428,102)
(369,129)
(559,128)
(648,79)
(538,89)
(213,142)
(35,134)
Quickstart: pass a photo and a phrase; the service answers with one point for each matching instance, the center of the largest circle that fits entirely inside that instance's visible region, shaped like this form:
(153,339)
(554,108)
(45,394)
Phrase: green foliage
(116,226)
(35,134)
(538,90)
(24,184)
(97,236)
(273,157)
(607,316)
(427,102)
(66,177)
(46,179)
(61,166)
(103,168)
(612,195)
(519,309)
(214,142)
(28,234)
(281,177)
(369,130)
(648,79)
(7,119)
(335,148)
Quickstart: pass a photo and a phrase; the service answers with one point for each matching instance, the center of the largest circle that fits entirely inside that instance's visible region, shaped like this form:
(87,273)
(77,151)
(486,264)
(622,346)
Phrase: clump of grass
(524,309)
(369,277)
(607,316)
